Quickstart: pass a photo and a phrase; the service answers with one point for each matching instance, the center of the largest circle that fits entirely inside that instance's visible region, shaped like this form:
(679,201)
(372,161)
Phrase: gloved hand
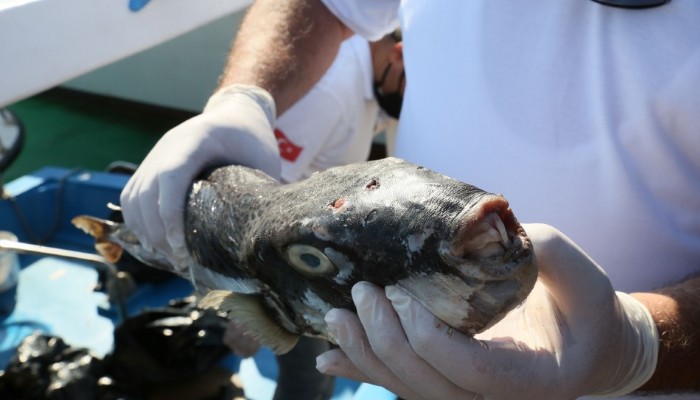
(236,127)
(573,336)
(240,343)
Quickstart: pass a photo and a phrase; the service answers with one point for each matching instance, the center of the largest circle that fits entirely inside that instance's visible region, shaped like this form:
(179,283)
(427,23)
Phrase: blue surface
(57,296)
(137,5)
(44,304)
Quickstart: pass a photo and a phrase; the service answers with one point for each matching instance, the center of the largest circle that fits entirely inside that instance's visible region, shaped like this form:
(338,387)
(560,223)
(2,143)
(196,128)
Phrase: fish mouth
(490,269)
(490,242)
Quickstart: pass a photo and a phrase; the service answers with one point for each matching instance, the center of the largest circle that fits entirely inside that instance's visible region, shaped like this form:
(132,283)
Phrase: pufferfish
(277,257)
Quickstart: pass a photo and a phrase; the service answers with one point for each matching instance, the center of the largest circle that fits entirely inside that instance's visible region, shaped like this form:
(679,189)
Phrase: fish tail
(101,230)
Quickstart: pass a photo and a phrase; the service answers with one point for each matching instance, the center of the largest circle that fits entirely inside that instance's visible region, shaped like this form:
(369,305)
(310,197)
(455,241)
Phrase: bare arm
(284,47)
(676,311)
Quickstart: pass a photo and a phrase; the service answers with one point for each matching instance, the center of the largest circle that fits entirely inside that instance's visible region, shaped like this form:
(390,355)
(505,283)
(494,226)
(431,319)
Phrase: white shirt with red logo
(335,122)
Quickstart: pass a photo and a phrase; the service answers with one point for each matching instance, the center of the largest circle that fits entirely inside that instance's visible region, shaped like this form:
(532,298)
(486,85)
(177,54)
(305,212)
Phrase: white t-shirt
(334,123)
(585,116)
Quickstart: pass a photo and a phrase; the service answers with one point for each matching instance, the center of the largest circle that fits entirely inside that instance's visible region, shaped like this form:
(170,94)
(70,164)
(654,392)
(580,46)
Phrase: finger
(389,342)
(172,196)
(335,362)
(472,365)
(126,199)
(134,204)
(350,336)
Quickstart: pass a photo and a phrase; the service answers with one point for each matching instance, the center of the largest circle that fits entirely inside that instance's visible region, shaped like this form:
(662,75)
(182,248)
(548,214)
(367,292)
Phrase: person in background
(335,122)
(583,113)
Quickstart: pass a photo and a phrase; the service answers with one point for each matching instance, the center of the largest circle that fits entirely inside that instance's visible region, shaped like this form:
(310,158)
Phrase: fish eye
(310,260)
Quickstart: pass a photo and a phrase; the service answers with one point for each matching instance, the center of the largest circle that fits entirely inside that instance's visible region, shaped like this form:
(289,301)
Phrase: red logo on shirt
(288,149)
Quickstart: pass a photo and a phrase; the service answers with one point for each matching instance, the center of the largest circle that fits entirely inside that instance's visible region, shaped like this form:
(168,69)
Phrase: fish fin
(112,252)
(247,311)
(99,229)
(93,226)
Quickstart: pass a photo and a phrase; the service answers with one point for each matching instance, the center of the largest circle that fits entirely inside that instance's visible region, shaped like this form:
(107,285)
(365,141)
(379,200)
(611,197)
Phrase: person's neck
(379,51)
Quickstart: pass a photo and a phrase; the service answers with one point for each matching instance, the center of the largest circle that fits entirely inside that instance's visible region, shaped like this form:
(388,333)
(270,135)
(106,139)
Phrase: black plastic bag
(45,367)
(166,345)
(152,350)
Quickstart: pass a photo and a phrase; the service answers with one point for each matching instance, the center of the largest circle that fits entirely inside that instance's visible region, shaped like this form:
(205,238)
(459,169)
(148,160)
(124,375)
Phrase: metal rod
(26,248)
(114,291)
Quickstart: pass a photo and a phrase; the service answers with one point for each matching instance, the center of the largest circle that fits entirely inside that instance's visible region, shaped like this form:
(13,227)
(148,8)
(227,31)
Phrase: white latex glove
(236,127)
(574,336)
(240,343)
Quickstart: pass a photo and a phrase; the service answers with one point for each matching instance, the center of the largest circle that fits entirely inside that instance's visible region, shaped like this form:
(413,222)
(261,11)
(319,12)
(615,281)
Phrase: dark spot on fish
(372,214)
(373,184)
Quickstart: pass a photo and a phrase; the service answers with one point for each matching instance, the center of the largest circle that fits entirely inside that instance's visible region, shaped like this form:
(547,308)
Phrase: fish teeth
(488,238)
(502,230)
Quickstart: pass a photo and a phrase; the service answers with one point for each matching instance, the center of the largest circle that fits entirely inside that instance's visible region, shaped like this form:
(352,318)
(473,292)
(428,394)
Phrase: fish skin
(300,247)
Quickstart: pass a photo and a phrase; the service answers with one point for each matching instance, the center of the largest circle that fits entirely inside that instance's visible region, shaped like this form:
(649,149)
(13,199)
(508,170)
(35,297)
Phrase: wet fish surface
(277,257)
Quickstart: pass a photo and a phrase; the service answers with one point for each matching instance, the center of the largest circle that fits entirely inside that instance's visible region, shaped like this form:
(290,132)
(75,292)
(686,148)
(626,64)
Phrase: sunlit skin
(387,53)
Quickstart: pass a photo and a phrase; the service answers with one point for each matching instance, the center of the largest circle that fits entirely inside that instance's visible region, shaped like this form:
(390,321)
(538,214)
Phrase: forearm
(676,311)
(284,47)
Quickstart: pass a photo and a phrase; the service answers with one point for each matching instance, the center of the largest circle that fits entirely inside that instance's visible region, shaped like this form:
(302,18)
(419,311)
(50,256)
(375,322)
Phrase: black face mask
(389,102)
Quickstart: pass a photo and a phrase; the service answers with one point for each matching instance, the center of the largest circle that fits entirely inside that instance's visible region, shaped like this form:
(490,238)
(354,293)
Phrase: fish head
(456,249)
